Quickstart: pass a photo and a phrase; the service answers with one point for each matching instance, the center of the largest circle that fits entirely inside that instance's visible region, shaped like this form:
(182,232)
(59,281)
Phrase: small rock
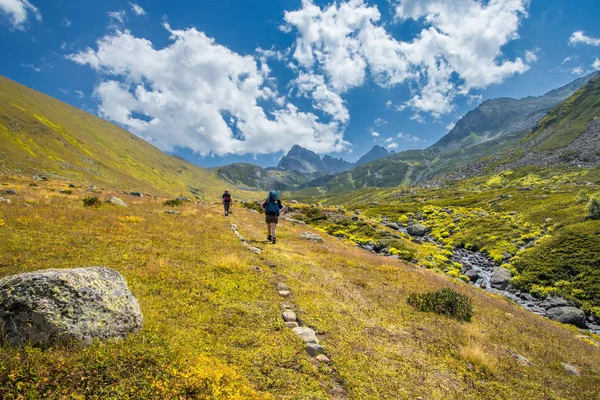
(255,250)
(416,230)
(567,315)
(571,369)
(473,275)
(136,194)
(294,201)
(527,297)
(354,218)
(291,325)
(522,359)
(295,221)
(256,268)
(311,237)
(554,301)
(91,188)
(284,293)
(9,192)
(306,334)
(116,201)
(500,278)
(323,358)
(172,212)
(4,200)
(282,286)
(392,225)
(72,186)
(289,316)
(314,349)
(181,198)
(40,177)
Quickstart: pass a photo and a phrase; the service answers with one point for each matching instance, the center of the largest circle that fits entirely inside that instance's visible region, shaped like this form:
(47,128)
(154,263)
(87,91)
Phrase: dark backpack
(227,198)
(272,207)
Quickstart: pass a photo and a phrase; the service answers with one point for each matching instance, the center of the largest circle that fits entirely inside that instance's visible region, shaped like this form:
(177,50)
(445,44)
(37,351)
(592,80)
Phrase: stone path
(308,335)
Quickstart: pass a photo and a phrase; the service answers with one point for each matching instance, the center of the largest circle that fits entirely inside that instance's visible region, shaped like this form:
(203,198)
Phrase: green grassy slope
(41,135)
(566,122)
(499,214)
(213,326)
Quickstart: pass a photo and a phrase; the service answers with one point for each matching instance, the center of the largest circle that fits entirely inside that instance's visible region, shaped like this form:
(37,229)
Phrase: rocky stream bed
(486,274)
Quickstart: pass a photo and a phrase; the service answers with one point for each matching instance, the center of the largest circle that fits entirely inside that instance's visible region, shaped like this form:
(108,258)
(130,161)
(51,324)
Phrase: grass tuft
(444,302)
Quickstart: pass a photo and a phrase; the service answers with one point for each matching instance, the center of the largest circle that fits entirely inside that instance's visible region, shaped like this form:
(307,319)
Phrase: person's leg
(269,236)
(273,229)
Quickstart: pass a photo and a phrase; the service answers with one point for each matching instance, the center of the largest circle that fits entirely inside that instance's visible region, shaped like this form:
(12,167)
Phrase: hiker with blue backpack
(272,207)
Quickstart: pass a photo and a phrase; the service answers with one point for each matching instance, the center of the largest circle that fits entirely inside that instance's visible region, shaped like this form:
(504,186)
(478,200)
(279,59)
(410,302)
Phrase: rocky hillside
(569,135)
(494,127)
(497,117)
(40,135)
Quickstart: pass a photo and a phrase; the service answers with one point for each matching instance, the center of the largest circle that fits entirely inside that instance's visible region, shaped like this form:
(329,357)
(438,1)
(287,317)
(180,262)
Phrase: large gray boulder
(500,278)
(417,230)
(64,305)
(567,315)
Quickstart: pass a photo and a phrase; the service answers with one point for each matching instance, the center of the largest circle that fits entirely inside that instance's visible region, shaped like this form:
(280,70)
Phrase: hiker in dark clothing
(226,200)
(272,207)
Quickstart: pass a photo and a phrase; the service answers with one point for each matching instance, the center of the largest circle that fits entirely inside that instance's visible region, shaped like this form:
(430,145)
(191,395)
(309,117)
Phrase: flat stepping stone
(289,316)
(306,334)
(291,325)
(284,293)
(282,286)
(314,349)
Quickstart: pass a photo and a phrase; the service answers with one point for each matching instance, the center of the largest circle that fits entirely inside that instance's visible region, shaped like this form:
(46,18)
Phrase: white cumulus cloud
(459,48)
(198,94)
(580,37)
(18,11)
(137,9)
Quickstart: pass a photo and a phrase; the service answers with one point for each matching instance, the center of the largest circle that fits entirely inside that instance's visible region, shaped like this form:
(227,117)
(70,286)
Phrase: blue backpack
(272,207)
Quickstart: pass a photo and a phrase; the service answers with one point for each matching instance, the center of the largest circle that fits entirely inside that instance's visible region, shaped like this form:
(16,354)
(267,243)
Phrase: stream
(480,268)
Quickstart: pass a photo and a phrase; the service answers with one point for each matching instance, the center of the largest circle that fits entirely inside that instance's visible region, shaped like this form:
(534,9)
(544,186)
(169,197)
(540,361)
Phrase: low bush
(593,207)
(444,302)
(91,202)
(252,205)
(173,203)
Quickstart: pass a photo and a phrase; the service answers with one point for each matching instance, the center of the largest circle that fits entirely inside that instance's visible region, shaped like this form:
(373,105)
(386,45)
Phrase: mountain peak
(375,153)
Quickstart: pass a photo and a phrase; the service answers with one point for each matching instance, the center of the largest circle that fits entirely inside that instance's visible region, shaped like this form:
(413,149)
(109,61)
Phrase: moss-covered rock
(64,305)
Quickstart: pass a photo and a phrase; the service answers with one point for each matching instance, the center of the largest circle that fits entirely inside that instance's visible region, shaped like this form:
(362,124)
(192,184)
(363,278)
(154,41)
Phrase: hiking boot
(269,238)
(274,241)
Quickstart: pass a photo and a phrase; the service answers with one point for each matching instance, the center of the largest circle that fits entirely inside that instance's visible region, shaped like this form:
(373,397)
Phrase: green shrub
(583,196)
(593,207)
(444,302)
(91,202)
(173,203)
(252,205)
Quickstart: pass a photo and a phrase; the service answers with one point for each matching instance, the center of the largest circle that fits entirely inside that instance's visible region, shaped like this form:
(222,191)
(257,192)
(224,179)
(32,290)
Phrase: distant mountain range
(298,169)
(497,130)
(305,161)
(41,135)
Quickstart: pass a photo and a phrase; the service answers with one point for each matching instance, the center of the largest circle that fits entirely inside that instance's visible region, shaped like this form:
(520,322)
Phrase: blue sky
(226,81)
